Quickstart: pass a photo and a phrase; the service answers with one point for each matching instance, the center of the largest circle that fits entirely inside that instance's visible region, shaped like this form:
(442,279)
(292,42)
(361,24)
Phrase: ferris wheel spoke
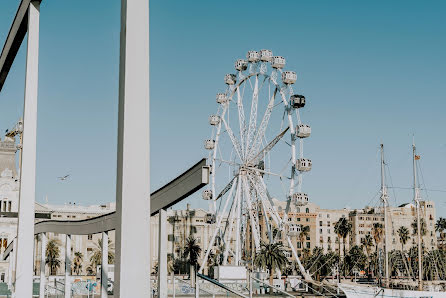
(263,125)
(234,141)
(253,116)
(252,213)
(241,120)
(267,148)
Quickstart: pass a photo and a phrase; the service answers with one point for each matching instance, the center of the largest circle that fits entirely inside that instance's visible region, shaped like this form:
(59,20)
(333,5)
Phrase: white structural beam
(104,265)
(162,254)
(25,227)
(132,275)
(43,241)
(67,266)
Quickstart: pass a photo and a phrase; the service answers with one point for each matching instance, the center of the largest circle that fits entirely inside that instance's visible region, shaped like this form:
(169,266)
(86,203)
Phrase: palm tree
(342,227)
(377,231)
(77,262)
(355,259)
(271,257)
(403,233)
(52,255)
(192,251)
(367,243)
(305,231)
(96,257)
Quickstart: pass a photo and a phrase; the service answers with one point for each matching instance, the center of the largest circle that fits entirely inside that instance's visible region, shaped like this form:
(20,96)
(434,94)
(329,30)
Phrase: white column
(42,265)
(162,255)
(133,180)
(25,227)
(104,265)
(67,266)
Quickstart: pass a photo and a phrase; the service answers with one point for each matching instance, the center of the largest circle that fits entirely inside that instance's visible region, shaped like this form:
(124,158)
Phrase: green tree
(377,232)
(96,257)
(52,256)
(304,232)
(342,228)
(192,251)
(440,226)
(77,262)
(355,259)
(271,257)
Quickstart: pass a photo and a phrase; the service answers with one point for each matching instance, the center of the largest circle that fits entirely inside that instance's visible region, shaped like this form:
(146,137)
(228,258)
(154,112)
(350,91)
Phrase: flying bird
(63,178)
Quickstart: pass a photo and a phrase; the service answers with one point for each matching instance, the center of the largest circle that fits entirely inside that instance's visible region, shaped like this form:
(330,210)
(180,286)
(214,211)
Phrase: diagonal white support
(43,242)
(132,268)
(25,228)
(67,266)
(104,265)
(162,254)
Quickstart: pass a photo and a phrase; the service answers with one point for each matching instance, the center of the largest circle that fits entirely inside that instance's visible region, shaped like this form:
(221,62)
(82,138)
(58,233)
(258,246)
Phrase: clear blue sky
(371,71)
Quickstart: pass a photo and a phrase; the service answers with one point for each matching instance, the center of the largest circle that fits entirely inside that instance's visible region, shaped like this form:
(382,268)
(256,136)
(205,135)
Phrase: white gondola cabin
(266,55)
(209,144)
(303,164)
(214,120)
(297,101)
(303,131)
(289,77)
(253,56)
(211,218)
(294,229)
(230,79)
(241,64)
(207,194)
(278,62)
(299,199)
(221,98)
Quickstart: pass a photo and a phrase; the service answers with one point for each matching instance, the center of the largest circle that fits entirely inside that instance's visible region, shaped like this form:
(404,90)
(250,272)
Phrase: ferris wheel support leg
(229,237)
(206,256)
(305,274)
(237,241)
(254,220)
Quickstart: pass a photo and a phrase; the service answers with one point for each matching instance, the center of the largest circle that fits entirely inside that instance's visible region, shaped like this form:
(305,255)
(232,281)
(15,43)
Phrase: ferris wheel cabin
(207,194)
(214,120)
(253,56)
(266,55)
(304,164)
(289,77)
(294,229)
(241,65)
(297,101)
(278,62)
(303,131)
(221,98)
(299,199)
(209,144)
(230,79)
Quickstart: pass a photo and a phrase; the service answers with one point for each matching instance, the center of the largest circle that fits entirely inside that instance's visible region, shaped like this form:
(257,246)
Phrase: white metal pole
(162,254)
(43,241)
(132,275)
(67,266)
(25,227)
(104,265)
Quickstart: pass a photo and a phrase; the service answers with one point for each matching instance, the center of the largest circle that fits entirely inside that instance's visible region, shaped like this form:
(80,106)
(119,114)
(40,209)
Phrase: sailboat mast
(417,202)
(384,201)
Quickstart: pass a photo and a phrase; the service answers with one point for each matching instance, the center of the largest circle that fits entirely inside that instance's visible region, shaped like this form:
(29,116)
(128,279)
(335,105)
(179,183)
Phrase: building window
(299,245)
(328,223)
(320,231)
(307,219)
(328,215)
(307,210)
(320,223)
(308,244)
(90,237)
(9,206)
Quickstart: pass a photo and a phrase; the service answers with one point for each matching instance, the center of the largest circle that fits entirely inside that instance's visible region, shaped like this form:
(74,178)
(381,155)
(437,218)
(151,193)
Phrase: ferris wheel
(256,156)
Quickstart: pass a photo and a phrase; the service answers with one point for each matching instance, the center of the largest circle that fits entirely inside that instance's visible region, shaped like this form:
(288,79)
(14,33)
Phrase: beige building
(326,237)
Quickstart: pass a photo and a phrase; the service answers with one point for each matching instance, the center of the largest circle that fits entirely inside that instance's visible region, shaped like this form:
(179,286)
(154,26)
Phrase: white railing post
(162,254)
(104,265)
(25,226)
(68,266)
(132,274)
(43,241)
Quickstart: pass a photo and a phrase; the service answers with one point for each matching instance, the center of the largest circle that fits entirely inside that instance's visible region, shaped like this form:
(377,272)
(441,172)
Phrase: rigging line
(391,182)
(411,188)
(422,178)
